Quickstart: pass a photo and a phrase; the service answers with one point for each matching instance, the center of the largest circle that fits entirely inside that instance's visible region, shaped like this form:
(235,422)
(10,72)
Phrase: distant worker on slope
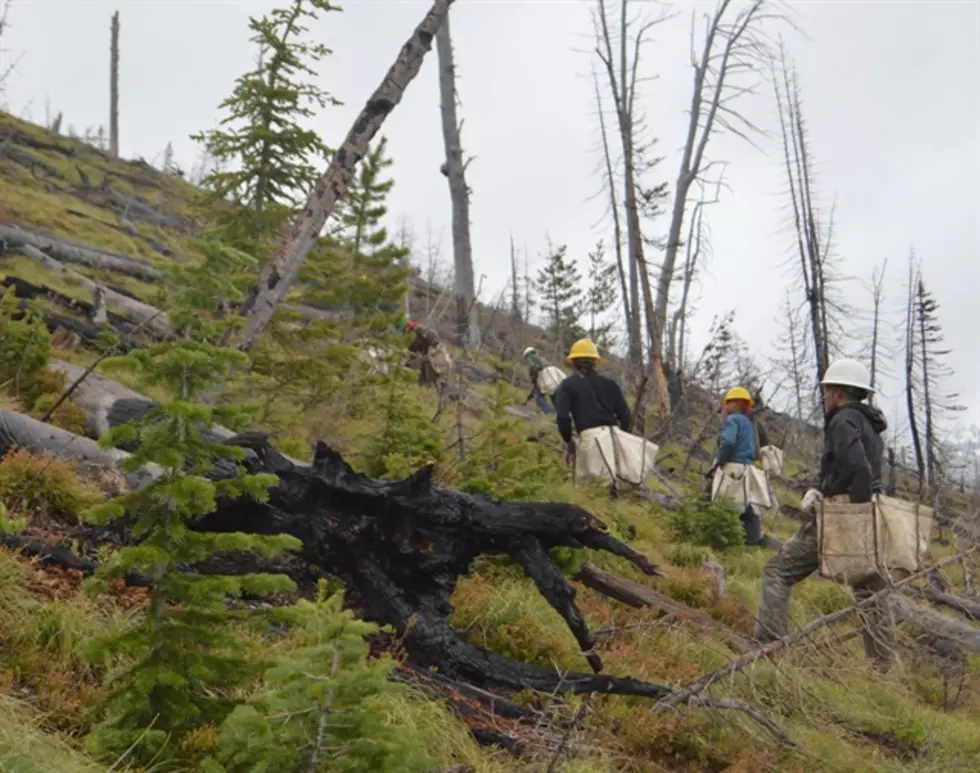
(545,380)
(598,409)
(435,362)
(733,474)
(850,470)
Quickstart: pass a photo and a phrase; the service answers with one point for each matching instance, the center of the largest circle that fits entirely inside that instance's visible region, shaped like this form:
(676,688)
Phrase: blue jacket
(737,441)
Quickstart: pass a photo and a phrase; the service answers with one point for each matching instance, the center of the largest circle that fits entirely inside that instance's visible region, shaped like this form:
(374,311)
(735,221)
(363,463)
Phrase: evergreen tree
(359,265)
(559,287)
(356,272)
(601,295)
(500,462)
(183,656)
(324,708)
(408,438)
(272,153)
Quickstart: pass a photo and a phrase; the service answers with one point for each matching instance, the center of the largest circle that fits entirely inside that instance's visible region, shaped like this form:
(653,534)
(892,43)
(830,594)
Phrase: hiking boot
(770,543)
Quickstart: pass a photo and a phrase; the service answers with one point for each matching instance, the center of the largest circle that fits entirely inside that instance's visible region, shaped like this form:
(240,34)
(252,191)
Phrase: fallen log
(968,607)
(952,629)
(62,556)
(90,331)
(153,319)
(638,596)
(400,548)
(68,251)
(107,403)
(20,431)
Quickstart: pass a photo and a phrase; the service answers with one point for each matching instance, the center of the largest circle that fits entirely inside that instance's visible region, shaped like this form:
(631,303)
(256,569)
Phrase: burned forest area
(282,482)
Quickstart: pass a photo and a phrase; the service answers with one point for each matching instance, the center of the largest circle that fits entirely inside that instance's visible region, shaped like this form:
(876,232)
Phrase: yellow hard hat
(583,349)
(739,393)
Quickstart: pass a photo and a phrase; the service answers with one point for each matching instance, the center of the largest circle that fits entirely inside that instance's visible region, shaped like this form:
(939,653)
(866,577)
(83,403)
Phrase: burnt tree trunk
(467,320)
(114,88)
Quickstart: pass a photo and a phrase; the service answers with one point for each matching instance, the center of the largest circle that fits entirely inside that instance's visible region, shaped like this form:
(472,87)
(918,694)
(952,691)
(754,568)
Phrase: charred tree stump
(400,547)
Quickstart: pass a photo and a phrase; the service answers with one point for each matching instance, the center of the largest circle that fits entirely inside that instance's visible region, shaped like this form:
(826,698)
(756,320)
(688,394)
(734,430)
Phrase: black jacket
(853,449)
(590,401)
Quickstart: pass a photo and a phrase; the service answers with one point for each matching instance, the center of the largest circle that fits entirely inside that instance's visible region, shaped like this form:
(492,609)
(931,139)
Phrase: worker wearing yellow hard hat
(733,473)
(583,349)
(587,398)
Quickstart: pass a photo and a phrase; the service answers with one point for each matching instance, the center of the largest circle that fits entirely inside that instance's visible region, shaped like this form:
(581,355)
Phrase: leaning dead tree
(282,269)
(114,87)
(813,239)
(725,70)
(454,168)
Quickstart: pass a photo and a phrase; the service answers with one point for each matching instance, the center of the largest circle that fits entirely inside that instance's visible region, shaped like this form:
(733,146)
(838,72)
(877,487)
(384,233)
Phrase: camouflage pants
(793,563)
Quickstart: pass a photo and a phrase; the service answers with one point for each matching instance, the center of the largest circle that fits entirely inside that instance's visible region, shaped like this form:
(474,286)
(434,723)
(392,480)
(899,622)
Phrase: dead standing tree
(5,69)
(630,292)
(877,297)
(282,269)
(812,241)
(454,168)
(911,344)
(697,249)
(724,71)
(114,88)
(621,62)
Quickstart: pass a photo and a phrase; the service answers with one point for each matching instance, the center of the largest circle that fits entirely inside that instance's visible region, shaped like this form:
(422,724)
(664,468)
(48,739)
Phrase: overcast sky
(891,98)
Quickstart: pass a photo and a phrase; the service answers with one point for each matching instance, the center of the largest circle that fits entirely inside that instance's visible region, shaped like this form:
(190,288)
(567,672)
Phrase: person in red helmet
(434,361)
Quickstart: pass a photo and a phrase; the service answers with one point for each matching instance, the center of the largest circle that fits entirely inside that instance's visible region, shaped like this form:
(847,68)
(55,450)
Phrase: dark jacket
(853,449)
(590,401)
(424,340)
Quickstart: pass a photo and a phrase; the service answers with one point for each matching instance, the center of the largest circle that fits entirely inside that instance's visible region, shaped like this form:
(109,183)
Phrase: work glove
(811,500)
(570,451)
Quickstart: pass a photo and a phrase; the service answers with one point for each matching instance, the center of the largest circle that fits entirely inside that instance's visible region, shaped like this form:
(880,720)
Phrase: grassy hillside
(923,716)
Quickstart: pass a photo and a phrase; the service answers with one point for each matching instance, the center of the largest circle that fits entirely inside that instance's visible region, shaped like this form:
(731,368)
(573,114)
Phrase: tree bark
(283,268)
(467,319)
(68,251)
(114,88)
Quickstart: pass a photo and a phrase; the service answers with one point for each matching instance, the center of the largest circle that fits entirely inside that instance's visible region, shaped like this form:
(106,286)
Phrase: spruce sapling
(180,661)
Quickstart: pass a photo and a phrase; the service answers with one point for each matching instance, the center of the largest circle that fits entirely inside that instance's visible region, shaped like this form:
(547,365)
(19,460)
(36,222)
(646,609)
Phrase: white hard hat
(850,373)
(529,351)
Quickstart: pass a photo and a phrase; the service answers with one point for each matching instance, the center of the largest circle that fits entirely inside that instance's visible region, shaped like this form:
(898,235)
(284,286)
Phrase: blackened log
(401,547)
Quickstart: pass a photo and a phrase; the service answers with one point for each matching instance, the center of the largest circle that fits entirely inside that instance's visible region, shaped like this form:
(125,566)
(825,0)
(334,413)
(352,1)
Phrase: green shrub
(713,524)
(686,554)
(25,348)
(408,438)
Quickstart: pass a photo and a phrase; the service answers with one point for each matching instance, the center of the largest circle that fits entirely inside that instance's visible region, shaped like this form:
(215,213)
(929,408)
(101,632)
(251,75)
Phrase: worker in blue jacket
(739,444)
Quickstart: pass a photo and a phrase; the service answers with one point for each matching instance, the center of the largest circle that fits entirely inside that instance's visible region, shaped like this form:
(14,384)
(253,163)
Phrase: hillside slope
(845,718)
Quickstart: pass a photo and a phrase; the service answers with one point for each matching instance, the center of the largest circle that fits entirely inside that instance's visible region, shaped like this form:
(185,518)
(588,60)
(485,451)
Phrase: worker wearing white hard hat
(850,468)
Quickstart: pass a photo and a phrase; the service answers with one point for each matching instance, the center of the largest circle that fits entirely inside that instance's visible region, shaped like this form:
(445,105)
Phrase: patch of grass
(44,485)
(26,748)
(512,618)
